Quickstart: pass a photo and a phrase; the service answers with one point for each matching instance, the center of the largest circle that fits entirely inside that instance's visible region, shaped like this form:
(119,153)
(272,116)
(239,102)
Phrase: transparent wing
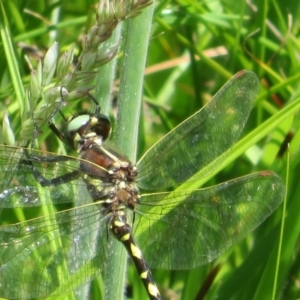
(186,229)
(53,254)
(201,142)
(19,187)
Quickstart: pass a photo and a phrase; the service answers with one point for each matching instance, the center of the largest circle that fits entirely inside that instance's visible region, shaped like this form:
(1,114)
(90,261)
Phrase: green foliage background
(195,47)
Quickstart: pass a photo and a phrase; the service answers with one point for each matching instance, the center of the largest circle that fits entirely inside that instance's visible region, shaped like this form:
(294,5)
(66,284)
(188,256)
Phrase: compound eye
(100,124)
(75,127)
(77,123)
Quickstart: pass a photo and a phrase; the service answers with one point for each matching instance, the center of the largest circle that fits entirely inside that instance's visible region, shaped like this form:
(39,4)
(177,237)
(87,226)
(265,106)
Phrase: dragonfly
(72,207)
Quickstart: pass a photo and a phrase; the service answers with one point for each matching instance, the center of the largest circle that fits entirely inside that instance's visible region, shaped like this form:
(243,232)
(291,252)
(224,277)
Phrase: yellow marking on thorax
(118,223)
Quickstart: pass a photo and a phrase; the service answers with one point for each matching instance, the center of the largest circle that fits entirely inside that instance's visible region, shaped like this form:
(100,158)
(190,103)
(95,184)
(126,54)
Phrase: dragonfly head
(86,126)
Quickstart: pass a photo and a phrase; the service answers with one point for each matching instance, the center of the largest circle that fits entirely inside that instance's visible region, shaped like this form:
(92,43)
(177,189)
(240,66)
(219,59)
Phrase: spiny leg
(30,160)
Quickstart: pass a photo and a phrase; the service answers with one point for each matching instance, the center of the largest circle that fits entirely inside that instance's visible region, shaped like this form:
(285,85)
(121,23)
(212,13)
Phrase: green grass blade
(126,133)
(11,58)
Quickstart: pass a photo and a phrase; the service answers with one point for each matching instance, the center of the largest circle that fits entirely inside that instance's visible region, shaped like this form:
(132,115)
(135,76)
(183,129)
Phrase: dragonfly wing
(19,187)
(53,254)
(201,142)
(186,229)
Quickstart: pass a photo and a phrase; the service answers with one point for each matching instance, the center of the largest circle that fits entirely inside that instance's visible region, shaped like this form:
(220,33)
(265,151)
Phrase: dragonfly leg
(44,159)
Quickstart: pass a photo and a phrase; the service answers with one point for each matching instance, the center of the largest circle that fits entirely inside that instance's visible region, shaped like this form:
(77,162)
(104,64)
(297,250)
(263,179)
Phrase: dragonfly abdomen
(123,233)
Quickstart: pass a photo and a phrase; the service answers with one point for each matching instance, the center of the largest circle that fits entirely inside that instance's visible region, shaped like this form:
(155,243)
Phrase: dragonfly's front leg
(30,160)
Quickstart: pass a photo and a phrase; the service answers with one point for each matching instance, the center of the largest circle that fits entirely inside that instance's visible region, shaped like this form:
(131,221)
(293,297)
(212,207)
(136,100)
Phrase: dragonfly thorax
(110,177)
(121,196)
